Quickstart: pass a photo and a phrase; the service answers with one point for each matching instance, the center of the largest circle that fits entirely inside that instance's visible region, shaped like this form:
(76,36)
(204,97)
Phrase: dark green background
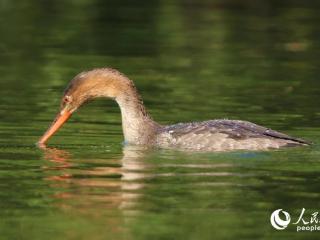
(191,60)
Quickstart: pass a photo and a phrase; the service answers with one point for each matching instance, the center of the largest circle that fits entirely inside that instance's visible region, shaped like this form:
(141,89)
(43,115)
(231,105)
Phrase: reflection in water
(117,192)
(120,192)
(56,156)
(119,183)
(97,191)
(111,184)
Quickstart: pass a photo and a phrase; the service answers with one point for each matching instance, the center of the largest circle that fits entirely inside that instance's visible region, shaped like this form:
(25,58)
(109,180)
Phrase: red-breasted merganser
(140,129)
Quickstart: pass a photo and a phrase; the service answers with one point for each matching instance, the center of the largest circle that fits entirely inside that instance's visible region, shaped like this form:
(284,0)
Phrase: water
(249,60)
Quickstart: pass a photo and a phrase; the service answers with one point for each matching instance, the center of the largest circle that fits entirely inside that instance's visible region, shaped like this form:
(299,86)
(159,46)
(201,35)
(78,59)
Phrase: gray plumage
(223,135)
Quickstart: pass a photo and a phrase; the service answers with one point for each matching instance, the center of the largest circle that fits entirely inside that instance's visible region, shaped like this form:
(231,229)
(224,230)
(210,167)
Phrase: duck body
(140,129)
(223,135)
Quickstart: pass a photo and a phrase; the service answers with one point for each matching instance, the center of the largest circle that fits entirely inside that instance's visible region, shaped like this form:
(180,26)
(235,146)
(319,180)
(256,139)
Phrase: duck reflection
(120,182)
(112,182)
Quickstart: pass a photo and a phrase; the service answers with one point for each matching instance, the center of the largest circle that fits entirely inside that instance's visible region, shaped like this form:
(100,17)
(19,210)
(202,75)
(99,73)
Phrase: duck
(140,129)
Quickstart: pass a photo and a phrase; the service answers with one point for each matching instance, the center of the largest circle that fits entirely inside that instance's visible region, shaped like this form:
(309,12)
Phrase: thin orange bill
(55,126)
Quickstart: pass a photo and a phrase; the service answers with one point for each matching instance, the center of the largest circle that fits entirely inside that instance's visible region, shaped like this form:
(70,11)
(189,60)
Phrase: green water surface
(191,60)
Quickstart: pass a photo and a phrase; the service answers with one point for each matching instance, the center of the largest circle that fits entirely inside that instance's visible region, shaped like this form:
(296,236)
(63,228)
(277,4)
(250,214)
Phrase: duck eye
(67,99)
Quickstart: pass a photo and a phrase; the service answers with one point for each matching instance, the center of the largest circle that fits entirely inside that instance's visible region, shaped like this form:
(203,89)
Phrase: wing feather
(234,129)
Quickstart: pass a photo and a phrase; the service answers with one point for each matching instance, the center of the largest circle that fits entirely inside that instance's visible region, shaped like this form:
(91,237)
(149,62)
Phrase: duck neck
(138,127)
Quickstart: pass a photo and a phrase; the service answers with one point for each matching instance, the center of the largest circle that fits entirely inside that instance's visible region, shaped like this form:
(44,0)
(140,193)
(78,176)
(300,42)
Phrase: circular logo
(277,222)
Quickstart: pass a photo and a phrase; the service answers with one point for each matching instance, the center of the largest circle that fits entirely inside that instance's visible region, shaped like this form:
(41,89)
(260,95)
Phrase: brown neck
(138,127)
